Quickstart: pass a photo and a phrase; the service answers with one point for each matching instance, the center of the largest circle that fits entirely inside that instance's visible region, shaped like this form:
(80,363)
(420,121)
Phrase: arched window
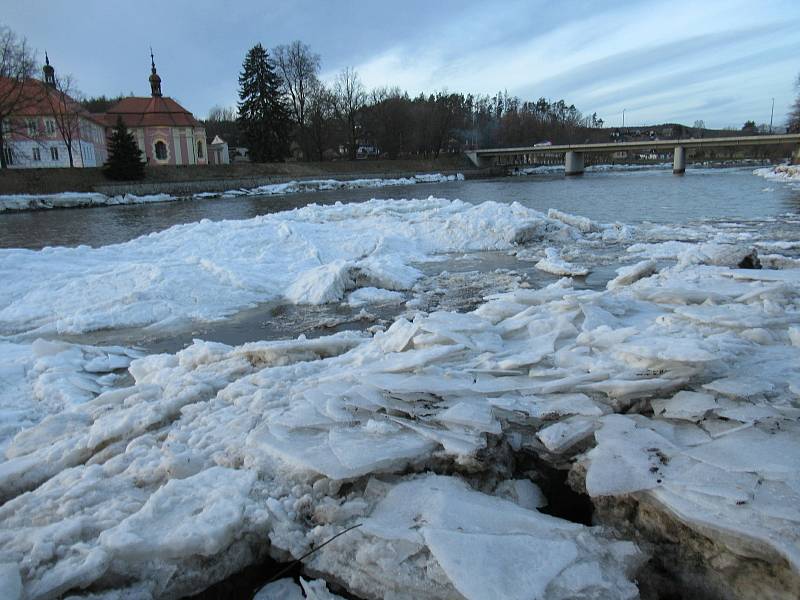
(199,149)
(161,150)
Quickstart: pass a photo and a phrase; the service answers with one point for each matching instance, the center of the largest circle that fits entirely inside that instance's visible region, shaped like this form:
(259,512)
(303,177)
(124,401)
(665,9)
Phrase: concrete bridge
(573,153)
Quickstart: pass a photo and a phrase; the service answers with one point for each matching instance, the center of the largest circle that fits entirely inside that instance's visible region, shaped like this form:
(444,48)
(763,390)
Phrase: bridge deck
(752,140)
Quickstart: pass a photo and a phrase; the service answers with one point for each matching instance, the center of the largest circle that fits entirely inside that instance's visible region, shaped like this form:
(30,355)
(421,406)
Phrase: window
(32,127)
(199,149)
(161,150)
(54,153)
(50,126)
(9,156)
(37,154)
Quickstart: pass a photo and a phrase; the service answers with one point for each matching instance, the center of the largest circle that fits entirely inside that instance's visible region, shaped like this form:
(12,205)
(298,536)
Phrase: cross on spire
(49,71)
(155,80)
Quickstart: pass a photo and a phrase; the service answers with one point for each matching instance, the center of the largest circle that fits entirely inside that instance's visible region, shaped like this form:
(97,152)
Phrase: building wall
(218,154)
(33,147)
(181,145)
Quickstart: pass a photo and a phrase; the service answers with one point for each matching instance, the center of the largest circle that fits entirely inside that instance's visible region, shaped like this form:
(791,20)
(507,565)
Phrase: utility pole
(623,118)
(771,114)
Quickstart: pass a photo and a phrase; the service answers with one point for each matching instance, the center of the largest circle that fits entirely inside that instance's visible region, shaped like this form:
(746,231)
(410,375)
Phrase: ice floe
(675,386)
(207,271)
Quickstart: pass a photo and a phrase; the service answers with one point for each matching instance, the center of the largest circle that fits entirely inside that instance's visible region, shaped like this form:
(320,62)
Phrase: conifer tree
(263,116)
(124,157)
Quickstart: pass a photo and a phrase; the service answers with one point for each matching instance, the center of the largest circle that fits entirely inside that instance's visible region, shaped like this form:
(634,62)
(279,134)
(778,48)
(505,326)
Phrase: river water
(731,197)
(628,196)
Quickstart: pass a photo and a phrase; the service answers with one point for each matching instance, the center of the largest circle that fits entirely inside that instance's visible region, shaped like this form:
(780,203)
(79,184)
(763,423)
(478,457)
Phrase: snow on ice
(207,271)
(676,387)
(788,173)
(16,202)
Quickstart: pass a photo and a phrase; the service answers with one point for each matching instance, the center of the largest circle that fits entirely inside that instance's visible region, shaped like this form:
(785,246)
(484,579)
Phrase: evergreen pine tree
(263,117)
(124,157)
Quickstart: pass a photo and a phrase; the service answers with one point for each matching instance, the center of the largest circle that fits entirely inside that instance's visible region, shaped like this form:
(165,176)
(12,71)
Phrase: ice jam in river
(664,401)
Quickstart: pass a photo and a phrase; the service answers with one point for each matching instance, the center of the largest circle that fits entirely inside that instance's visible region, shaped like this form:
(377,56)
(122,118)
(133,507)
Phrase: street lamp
(771,114)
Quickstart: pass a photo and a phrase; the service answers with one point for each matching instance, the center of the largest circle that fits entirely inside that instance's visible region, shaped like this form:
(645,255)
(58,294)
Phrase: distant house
(167,133)
(367,151)
(239,154)
(32,138)
(218,153)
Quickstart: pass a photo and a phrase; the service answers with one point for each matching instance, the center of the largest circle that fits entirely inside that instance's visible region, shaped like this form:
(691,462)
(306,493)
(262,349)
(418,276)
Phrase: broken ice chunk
(476,414)
(563,435)
(739,387)
(627,275)
(10,581)
(553,263)
(199,515)
(689,406)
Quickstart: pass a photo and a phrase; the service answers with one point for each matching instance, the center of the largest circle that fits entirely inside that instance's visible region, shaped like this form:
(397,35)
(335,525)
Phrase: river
(628,196)
(188,469)
(733,197)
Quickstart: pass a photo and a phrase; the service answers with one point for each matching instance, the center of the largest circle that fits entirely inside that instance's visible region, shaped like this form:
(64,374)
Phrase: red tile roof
(36,99)
(150,112)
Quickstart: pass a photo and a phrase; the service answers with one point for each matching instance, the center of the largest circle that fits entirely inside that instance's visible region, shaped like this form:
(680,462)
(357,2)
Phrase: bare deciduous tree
(219,113)
(299,69)
(320,114)
(793,124)
(389,121)
(351,97)
(18,90)
(66,112)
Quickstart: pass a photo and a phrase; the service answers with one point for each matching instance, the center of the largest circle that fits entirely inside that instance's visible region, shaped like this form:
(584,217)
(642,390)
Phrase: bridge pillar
(477,160)
(679,160)
(573,163)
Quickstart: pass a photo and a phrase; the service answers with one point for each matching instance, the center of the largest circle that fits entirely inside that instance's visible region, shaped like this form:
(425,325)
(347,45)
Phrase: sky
(678,61)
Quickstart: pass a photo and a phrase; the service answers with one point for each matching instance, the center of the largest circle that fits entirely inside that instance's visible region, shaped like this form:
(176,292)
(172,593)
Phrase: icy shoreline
(20,202)
(788,173)
(670,398)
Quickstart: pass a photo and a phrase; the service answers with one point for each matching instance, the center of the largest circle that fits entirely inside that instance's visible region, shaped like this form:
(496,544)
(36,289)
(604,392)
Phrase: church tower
(49,72)
(155,80)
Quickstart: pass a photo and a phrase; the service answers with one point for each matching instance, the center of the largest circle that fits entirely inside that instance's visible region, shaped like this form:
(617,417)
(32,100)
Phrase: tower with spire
(155,80)
(49,72)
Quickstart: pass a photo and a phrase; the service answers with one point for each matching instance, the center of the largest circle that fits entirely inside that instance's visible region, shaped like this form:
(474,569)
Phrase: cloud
(600,56)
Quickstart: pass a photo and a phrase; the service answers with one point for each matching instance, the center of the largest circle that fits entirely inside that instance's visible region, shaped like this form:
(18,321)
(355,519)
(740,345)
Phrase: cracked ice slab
(313,255)
(292,441)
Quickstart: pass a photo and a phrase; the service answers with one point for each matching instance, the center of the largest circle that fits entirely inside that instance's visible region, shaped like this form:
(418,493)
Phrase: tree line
(286,110)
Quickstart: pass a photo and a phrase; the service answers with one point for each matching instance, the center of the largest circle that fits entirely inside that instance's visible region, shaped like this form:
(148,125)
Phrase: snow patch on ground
(16,202)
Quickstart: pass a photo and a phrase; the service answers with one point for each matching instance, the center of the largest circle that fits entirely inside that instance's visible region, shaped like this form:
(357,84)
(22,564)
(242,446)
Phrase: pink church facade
(167,133)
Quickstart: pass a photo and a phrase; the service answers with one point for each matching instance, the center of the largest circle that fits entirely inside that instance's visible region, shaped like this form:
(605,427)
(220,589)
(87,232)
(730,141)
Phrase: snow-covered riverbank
(19,202)
(670,397)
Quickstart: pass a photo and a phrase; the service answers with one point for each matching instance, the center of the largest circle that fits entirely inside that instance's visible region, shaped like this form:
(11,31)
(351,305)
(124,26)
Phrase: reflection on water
(630,197)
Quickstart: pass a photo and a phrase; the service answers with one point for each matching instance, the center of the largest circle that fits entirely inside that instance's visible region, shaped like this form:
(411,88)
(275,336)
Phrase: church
(167,133)
(53,130)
